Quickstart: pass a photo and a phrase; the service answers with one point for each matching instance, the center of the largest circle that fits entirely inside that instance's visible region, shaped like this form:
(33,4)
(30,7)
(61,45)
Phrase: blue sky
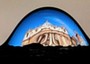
(38,18)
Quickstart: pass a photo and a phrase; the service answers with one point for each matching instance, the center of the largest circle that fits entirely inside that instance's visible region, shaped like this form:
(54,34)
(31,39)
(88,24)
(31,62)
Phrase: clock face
(49,27)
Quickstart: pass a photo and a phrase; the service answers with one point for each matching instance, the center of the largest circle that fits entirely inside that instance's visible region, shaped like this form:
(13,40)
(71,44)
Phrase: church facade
(49,35)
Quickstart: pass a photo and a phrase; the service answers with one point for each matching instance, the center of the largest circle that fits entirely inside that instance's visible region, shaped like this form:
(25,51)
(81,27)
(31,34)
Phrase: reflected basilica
(50,35)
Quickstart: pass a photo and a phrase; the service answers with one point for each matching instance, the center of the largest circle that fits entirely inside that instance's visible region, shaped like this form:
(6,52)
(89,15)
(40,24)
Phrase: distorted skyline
(38,18)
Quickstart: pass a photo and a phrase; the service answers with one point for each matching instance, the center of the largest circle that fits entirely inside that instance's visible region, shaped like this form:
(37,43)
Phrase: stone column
(50,39)
(60,40)
(64,41)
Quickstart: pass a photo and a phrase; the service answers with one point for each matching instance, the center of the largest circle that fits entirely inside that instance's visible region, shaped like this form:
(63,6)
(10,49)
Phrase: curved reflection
(50,27)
